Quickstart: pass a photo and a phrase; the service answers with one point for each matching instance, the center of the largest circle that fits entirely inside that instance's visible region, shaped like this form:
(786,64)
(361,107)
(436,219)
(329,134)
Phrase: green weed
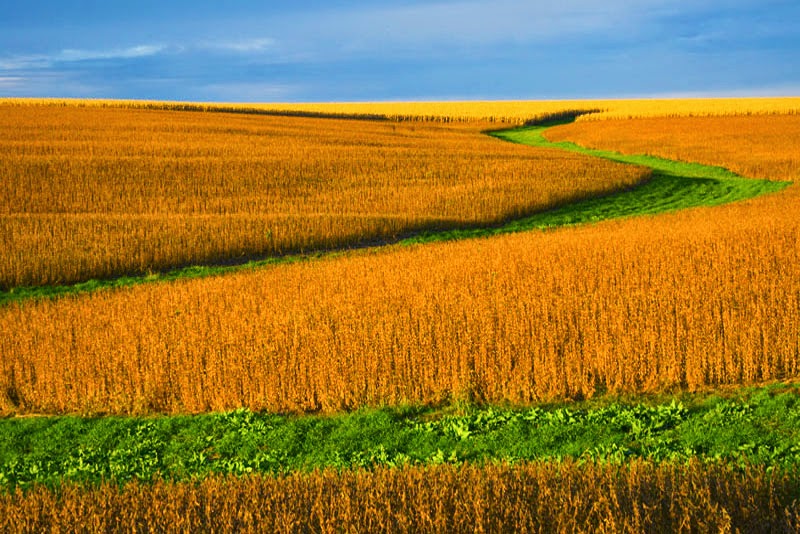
(759,425)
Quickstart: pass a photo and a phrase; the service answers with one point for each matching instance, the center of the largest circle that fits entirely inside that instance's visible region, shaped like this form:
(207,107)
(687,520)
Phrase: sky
(353,50)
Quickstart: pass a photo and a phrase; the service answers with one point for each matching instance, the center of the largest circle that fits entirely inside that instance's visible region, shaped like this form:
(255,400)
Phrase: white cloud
(70,55)
(14,63)
(245,46)
(11,82)
(48,84)
(474,27)
(115,53)
(11,79)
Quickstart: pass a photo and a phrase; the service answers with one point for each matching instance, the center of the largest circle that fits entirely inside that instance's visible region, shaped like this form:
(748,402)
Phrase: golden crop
(533,497)
(510,112)
(691,300)
(758,146)
(700,298)
(518,112)
(97,192)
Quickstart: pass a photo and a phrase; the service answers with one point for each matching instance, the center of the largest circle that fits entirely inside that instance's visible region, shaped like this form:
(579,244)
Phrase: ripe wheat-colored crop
(517,112)
(766,146)
(695,299)
(98,192)
(496,111)
(689,300)
(537,497)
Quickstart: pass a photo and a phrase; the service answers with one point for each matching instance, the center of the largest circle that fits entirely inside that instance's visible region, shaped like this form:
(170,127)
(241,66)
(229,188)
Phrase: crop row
(102,192)
(693,299)
(765,147)
(507,112)
(699,298)
(536,497)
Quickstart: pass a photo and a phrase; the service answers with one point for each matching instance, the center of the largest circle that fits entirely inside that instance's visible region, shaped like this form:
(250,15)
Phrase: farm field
(102,192)
(650,361)
(509,112)
(745,145)
(450,320)
(670,186)
(635,497)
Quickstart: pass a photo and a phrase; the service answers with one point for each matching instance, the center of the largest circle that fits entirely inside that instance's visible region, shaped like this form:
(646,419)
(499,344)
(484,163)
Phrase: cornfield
(765,147)
(101,192)
(539,497)
(690,300)
(503,112)
(700,298)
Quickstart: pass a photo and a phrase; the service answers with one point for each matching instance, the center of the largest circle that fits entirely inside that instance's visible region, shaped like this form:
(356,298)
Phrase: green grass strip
(757,425)
(674,186)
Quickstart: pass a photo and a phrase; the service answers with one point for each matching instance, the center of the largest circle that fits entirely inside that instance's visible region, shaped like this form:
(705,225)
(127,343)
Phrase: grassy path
(749,426)
(674,186)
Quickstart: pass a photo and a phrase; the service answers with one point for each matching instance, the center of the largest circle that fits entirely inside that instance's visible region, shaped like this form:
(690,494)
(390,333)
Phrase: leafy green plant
(758,426)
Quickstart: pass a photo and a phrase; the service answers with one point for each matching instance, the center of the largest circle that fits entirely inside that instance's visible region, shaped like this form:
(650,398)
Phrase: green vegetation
(674,185)
(757,425)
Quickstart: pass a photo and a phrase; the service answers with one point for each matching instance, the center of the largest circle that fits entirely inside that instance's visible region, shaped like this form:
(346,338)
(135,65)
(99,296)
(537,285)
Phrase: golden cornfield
(100,192)
(766,146)
(496,111)
(695,299)
(537,497)
(702,298)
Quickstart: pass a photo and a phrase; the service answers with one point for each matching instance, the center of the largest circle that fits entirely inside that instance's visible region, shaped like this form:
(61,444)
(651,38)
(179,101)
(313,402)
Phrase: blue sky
(350,50)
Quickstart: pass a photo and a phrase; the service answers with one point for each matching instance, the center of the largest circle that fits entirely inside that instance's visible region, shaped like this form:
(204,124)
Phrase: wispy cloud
(116,53)
(245,46)
(472,23)
(11,82)
(71,55)
(49,83)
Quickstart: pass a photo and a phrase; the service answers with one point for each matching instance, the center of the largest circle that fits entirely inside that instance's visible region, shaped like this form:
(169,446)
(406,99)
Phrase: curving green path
(753,426)
(674,185)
